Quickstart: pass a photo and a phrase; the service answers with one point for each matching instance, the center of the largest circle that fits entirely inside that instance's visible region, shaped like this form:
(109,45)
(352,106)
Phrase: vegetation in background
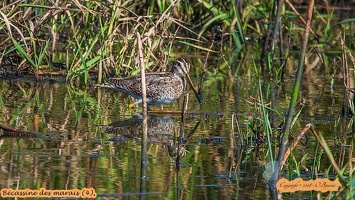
(98,37)
(95,39)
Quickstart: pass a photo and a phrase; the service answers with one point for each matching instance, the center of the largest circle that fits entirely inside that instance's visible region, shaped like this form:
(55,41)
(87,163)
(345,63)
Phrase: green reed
(105,40)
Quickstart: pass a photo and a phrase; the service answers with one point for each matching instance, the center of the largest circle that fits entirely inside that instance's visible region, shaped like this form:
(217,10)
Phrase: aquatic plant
(87,40)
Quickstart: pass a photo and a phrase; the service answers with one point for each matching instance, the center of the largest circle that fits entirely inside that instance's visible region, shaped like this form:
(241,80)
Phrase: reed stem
(141,64)
(292,105)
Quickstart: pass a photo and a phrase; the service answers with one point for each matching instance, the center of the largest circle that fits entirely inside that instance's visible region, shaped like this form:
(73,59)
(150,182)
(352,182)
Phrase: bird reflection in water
(161,130)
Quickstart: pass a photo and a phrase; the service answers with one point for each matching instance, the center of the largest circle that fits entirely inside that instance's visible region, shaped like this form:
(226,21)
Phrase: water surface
(89,138)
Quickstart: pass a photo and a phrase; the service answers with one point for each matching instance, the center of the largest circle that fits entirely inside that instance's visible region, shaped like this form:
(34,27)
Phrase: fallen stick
(15,132)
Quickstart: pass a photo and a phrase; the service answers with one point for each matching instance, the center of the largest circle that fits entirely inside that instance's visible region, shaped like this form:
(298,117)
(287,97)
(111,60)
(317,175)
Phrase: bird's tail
(106,85)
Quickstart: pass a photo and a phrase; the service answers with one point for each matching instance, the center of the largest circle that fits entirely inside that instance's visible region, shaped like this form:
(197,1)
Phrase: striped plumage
(161,87)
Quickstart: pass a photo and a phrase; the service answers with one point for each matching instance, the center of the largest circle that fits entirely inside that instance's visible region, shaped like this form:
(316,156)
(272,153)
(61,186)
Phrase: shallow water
(88,138)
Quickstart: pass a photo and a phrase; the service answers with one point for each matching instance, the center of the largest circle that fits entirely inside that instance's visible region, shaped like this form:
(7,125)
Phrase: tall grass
(97,39)
(99,36)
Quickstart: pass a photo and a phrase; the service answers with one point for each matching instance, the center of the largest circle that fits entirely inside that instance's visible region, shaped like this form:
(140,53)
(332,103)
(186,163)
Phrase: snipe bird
(161,87)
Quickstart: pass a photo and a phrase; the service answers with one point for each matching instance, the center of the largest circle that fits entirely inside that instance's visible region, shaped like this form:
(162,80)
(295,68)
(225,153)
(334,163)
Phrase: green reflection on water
(72,150)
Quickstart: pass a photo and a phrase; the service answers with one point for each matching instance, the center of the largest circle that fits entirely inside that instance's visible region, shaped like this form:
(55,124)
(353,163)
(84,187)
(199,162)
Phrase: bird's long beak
(193,87)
